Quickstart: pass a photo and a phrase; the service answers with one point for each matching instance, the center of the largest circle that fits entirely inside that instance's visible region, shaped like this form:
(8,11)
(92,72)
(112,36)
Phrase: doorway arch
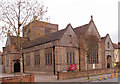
(16,67)
(109,61)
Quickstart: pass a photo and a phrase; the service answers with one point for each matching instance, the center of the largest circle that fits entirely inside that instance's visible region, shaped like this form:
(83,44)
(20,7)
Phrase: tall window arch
(70,53)
(108,45)
(70,39)
(94,57)
(37,57)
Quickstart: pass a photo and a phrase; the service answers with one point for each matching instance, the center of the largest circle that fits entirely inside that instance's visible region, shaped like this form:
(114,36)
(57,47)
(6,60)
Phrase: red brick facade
(79,74)
(16,79)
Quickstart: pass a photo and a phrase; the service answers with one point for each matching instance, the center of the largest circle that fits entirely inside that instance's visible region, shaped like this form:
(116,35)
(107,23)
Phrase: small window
(37,57)
(47,31)
(70,39)
(46,59)
(27,59)
(73,58)
(14,56)
(7,60)
(70,58)
(108,45)
(67,58)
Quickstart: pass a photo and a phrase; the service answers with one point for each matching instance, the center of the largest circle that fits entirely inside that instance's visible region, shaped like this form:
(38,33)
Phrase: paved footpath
(49,78)
(9,75)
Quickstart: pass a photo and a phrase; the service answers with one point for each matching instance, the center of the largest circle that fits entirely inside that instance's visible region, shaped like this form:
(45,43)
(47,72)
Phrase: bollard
(105,77)
(116,75)
(99,77)
(111,75)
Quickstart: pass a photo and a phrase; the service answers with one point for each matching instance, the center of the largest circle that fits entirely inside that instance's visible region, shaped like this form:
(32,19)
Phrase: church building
(48,50)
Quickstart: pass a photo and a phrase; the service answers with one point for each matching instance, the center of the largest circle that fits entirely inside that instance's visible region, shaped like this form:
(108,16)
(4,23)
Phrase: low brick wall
(25,78)
(78,74)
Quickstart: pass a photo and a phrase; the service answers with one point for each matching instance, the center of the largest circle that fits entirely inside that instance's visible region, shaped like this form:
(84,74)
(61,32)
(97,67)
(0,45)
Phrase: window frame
(48,57)
(94,58)
(36,57)
(70,39)
(27,59)
(70,56)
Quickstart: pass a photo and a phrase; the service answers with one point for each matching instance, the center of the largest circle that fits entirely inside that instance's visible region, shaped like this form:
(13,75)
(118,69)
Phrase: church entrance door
(16,66)
(109,61)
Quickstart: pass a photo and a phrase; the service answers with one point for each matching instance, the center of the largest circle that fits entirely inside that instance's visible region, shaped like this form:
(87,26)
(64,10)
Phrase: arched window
(27,59)
(94,58)
(108,45)
(70,53)
(37,57)
(70,39)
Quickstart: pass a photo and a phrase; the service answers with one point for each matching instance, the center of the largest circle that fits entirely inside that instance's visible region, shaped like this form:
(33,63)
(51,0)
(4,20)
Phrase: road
(115,79)
(48,78)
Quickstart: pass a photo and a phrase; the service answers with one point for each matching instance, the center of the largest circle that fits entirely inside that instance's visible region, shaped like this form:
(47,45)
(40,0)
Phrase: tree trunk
(87,67)
(21,67)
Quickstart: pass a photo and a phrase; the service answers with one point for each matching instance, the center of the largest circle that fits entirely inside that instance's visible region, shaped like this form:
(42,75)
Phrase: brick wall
(26,78)
(61,58)
(78,74)
(36,29)
(12,55)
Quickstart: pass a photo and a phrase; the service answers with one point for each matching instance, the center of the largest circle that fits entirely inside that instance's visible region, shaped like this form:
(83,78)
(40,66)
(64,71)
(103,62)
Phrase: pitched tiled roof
(13,40)
(81,29)
(115,46)
(55,36)
(103,39)
(45,39)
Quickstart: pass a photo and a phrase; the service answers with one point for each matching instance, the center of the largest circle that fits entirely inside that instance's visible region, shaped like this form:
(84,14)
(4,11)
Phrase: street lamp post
(54,58)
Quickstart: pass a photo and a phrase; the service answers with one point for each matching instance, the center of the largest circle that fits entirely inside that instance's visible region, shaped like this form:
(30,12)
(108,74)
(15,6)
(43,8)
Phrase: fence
(78,74)
(25,78)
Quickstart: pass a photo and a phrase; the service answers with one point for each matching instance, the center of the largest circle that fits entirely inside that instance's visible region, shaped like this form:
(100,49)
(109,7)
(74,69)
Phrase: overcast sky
(78,12)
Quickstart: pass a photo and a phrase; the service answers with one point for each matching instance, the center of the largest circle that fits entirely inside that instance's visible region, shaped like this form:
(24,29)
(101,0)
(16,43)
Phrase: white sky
(78,12)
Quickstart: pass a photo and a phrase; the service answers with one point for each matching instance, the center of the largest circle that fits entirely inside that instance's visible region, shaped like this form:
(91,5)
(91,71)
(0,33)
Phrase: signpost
(114,64)
(93,66)
(73,67)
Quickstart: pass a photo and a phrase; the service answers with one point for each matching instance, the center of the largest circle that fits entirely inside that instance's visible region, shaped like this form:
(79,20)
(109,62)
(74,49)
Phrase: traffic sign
(73,67)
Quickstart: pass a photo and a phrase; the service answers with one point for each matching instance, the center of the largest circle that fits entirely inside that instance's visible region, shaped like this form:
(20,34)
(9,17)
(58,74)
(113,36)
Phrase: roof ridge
(39,22)
(115,45)
(81,26)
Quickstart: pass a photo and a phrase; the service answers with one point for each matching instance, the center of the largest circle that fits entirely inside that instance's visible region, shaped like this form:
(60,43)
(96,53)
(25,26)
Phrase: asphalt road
(115,79)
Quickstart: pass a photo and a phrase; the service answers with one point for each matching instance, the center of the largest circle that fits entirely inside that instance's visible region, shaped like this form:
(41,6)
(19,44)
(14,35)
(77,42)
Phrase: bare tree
(88,46)
(17,13)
